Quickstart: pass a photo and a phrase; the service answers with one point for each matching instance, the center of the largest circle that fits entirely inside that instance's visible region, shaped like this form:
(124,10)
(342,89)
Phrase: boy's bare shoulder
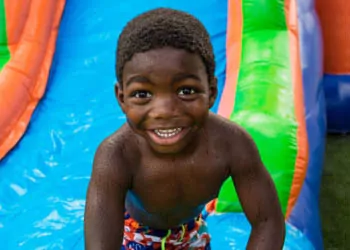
(231,135)
(119,149)
(120,140)
(227,129)
(112,167)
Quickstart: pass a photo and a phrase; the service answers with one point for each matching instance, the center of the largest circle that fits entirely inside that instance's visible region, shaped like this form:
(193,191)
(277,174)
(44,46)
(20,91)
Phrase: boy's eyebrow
(137,78)
(177,78)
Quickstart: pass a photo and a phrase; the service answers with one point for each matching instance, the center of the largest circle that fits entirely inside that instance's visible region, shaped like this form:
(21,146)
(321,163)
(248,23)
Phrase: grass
(335,193)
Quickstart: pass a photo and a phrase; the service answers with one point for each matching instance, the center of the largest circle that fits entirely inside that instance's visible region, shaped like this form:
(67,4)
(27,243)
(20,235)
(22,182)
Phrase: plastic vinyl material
(5,53)
(28,34)
(42,196)
(337,89)
(269,102)
(335,23)
(305,214)
(259,109)
(230,231)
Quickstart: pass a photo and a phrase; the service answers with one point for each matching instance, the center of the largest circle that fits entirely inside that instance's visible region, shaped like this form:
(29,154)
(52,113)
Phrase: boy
(152,178)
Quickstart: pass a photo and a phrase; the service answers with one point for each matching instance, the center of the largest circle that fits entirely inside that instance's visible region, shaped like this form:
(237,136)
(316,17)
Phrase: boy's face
(166,97)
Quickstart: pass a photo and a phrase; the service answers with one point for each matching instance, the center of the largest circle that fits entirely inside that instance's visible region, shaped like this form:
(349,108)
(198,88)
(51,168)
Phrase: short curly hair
(164,27)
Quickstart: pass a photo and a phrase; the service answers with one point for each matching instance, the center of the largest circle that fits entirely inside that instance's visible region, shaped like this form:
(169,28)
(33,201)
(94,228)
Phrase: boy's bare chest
(190,181)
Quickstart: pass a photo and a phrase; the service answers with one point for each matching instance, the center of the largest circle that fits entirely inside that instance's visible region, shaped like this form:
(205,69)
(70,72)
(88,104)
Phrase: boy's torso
(168,192)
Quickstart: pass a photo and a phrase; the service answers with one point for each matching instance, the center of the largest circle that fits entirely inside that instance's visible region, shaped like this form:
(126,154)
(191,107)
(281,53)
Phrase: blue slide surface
(44,179)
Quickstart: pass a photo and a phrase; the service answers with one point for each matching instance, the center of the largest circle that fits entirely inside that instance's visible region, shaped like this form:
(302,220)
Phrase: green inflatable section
(4,51)
(264,103)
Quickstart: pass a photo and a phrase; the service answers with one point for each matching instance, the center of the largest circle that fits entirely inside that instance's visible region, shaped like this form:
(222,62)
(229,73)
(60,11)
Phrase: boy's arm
(104,213)
(258,196)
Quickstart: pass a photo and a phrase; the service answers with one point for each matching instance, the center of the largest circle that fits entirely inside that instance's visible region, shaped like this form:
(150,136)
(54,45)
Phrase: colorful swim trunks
(190,236)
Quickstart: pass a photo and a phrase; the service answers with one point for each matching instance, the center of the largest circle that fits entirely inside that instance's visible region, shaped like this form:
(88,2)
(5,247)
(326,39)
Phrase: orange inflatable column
(31,31)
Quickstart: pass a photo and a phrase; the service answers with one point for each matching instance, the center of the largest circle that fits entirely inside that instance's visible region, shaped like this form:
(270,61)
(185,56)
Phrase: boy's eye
(187,91)
(141,94)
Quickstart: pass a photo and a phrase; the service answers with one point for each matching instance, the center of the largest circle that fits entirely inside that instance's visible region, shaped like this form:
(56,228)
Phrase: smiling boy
(152,178)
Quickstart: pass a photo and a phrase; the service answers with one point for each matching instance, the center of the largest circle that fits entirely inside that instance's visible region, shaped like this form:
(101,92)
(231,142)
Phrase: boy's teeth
(167,132)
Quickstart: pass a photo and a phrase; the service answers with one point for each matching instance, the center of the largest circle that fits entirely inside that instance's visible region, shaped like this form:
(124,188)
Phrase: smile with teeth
(167,133)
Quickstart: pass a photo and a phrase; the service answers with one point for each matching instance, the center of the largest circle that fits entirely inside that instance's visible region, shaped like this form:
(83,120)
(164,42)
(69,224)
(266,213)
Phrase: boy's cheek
(199,106)
(133,115)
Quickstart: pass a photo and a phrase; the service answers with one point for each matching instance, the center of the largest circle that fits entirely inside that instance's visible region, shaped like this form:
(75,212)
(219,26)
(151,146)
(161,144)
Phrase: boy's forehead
(167,58)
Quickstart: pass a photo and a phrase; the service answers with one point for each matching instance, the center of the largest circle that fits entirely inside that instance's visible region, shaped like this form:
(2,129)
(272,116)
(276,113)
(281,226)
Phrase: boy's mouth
(167,133)
(167,136)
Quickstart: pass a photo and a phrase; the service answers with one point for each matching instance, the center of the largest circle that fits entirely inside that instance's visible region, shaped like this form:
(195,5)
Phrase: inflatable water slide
(335,23)
(57,104)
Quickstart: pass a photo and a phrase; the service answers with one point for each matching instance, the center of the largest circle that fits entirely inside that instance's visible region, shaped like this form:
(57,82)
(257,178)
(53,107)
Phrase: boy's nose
(164,108)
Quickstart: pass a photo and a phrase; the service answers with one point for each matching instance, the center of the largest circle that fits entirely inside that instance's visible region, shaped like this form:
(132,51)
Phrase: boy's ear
(213,92)
(119,94)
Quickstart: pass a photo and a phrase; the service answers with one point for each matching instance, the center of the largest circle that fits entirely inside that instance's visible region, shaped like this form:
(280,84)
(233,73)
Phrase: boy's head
(166,84)
(164,27)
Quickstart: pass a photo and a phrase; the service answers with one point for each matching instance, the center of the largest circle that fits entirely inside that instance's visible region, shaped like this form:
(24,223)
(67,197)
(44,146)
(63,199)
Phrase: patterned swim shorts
(190,236)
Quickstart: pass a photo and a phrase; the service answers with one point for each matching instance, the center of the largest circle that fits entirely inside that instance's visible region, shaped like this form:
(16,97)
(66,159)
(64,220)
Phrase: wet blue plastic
(231,232)
(305,215)
(44,179)
(337,88)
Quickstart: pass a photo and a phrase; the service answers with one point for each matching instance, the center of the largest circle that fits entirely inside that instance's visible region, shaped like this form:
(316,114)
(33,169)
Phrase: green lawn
(335,193)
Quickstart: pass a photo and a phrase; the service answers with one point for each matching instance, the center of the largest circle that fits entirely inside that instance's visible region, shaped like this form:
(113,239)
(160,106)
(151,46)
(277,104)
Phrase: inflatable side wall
(305,214)
(335,23)
(28,35)
(269,102)
(281,104)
